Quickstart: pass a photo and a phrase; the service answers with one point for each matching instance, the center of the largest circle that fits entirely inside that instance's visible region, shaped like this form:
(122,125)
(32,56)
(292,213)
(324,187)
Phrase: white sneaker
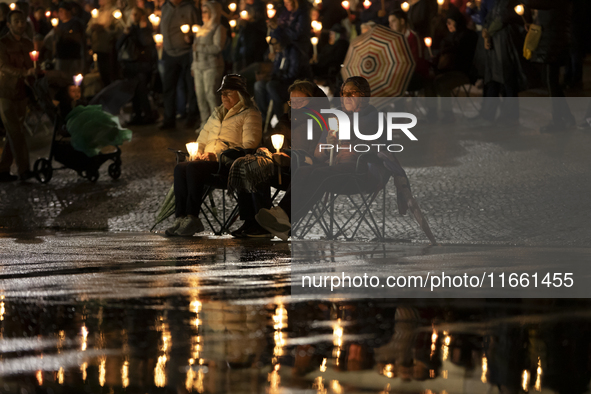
(275,221)
(170,231)
(190,226)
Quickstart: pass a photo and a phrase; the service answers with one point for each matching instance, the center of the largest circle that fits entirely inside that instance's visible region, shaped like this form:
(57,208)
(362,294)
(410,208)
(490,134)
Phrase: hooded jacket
(210,40)
(240,127)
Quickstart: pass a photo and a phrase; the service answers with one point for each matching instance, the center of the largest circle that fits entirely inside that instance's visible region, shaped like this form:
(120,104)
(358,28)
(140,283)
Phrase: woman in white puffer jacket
(208,63)
(237,123)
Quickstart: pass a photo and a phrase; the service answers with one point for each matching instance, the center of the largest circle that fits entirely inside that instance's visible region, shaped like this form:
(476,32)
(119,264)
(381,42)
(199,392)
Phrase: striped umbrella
(383,57)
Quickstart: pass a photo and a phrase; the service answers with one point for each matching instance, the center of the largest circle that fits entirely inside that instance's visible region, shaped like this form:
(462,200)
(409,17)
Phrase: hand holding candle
(34,55)
(193,149)
(428,43)
(277,141)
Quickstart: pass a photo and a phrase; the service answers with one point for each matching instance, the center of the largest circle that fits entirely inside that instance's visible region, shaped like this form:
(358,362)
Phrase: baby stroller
(61,149)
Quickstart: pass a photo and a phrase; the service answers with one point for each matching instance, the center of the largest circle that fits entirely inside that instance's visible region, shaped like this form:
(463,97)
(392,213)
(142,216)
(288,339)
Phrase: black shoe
(239,233)
(257,231)
(167,125)
(26,176)
(6,177)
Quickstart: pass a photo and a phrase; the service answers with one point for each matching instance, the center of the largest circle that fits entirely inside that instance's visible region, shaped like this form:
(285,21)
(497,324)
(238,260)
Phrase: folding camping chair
(360,199)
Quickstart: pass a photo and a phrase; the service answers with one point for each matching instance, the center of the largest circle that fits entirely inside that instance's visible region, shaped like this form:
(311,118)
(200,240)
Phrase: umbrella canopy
(115,96)
(383,57)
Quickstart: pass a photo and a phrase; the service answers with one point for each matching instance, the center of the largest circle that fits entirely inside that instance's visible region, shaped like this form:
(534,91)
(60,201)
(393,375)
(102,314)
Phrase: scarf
(249,171)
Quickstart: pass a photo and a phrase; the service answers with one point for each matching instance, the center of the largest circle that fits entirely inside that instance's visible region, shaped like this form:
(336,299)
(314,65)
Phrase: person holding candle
(137,52)
(331,56)
(309,183)
(293,23)
(177,58)
(251,46)
(70,42)
(42,25)
(103,32)
(208,62)
(237,123)
(289,64)
(15,66)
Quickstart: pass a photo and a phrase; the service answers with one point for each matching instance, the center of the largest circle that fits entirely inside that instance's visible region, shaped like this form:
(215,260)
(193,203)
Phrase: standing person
(4,10)
(236,123)
(136,52)
(555,18)
(70,41)
(503,35)
(293,23)
(251,45)
(102,32)
(23,6)
(208,62)
(177,59)
(15,66)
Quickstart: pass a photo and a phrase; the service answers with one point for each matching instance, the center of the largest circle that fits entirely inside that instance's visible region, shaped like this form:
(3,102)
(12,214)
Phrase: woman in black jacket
(136,52)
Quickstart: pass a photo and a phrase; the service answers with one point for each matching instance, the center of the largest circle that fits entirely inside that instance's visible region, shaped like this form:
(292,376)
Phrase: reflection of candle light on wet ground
(160,372)
(444,374)
(60,375)
(338,334)
(323,366)
(125,374)
(484,369)
(319,385)
(388,371)
(336,387)
(280,318)
(525,380)
(538,384)
(274,381)
(2,309)
(84,338)
(102,371)
(83,370)
(39,376)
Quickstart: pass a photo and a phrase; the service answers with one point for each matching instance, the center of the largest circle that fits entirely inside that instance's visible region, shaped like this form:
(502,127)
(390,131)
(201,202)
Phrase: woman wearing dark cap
(237,123)
(311,182)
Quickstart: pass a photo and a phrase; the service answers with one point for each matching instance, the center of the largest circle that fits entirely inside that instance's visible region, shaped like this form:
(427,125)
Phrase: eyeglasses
(351,93)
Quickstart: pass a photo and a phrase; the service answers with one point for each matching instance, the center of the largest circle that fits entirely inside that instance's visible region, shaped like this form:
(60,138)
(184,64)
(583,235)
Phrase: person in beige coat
(208,63)
(237,123)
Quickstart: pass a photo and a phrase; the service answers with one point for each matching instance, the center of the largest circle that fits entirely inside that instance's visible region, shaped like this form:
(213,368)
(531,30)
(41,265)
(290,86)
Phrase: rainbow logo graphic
(317,117)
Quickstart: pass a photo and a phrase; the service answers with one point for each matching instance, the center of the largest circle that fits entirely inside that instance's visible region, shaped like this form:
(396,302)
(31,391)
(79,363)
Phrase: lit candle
(185,29)
(271,13)
(158,39)
(154,20)
(346,5)
(233,23)
(439,4)
(314,41)
(34,55)
(48,14)
(244,14)
(55,22)
(405,6)
(78,80)
(366,4)
(94,57)
(12,6)
(270,6)
(316,26)
(232,7)
(193,149)
(195,29)
(117,14)
(428,43)
(277,141)
(317,2)
(520,10)
(94,13)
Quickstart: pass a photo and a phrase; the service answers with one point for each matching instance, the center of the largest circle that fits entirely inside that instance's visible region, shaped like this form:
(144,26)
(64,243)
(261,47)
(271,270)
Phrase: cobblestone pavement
(476,185)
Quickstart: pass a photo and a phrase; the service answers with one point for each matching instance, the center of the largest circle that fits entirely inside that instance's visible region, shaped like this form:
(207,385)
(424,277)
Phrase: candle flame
(233,23)
(405,6)
(366,4)
(55,22)
(346,4)
(195,29)
(271,13)
(232,7)
(117,14)
(519,9)
(185,29)
(244,14)
(94,13)
(428,41)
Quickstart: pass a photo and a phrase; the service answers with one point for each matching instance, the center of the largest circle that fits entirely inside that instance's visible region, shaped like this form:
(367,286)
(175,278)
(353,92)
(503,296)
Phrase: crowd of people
(272,56)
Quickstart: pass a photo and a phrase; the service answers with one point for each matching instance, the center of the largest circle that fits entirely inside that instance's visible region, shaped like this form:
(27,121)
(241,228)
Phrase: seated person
(251,202)
(237,123)
(309,183)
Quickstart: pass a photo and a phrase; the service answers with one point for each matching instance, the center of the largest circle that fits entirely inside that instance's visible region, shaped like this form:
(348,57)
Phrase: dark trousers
(491,102)
(309,183)
(560,109)
(106,67)
(190,179)
(249,204)
(177,68)
(142,73)
(15,149)
(264,91)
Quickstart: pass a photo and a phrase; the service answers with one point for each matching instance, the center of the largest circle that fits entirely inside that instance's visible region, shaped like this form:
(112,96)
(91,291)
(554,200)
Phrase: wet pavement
(92,302)
(102,312)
